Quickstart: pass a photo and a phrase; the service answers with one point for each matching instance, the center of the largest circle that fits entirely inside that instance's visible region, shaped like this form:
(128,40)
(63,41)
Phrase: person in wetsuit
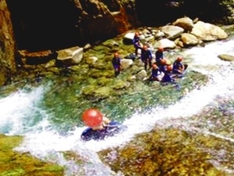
(159,56)
(178,66)
(155,73)
(136,42)
(167,78)
(146,57)
(116,62)
(99,127)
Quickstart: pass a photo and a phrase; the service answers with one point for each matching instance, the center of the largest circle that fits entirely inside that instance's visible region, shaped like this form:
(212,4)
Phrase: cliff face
(43,24)
(7,44)
(57,24)
(52,24)
(214,11)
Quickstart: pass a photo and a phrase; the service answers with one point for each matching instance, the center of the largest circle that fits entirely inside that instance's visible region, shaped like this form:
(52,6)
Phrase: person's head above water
(92,117)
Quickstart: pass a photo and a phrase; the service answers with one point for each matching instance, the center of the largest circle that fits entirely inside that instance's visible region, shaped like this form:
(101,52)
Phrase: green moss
(162,152)
(13,163)
(159,152)
(174,151)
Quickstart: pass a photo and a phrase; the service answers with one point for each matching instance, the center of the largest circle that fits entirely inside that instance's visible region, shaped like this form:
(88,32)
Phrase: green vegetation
(165,152)
(169,151)
(185,146)
(13,163)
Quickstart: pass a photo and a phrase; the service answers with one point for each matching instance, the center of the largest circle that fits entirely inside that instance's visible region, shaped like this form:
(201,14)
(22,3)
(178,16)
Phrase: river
(22,113)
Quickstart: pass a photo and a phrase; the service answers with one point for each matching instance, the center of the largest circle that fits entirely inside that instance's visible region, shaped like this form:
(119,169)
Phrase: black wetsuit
(110,130)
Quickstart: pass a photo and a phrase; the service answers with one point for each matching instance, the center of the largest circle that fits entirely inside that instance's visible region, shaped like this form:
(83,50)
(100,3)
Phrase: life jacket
(110,130)
(158,56)
(136,41)
(167,78)
(177,65)
(155,72)
(145,54)
(116,61)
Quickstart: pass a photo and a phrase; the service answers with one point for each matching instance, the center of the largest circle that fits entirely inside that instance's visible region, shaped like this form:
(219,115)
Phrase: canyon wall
(7,45)
(52,24)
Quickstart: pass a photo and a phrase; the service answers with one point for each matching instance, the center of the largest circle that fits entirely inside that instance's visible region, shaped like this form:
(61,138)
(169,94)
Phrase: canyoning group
(162,71)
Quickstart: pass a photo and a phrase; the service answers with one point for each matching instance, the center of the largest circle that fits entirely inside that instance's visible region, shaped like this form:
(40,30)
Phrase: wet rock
(91,60)
(189,39)
(165,43)
(186,23)
(172,32)
(208,32)
(70,56)
(226,57)
(126,63)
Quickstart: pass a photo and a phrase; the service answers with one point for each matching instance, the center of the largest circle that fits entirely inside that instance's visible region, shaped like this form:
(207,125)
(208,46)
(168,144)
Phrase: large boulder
(208,32)
(70,56)
(189,39)
(172,32)
(186,23)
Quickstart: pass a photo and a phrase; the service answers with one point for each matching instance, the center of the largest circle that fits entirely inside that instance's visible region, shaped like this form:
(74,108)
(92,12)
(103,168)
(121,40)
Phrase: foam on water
(17,109)
(221,84)
(42,141)
(190,105)
(207,57)
(209,54)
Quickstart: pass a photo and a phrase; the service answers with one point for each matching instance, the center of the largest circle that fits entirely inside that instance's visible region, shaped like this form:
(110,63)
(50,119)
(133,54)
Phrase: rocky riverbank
(92,83)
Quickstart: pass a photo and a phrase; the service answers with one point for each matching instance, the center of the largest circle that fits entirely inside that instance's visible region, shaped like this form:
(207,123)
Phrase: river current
(21,114)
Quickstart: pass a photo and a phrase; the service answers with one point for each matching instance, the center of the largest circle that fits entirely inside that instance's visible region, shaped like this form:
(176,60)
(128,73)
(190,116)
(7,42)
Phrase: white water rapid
(18,109)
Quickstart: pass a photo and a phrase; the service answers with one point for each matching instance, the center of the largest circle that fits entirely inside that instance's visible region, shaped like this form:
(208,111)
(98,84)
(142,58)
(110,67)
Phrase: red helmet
(154,65)
(160,49)
(163,61)
(179,59)
(145,47)
(116,54)
(92,117)
(169,67)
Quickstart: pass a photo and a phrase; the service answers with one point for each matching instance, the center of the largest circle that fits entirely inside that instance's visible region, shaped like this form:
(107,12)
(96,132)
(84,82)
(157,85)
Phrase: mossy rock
(102,92)
(161,152)
(94,92)
(103,81)
(89,90)
(120,84)
(16,163)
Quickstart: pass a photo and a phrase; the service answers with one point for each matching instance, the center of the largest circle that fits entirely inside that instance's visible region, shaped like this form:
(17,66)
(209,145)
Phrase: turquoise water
(62,103)
(48,113)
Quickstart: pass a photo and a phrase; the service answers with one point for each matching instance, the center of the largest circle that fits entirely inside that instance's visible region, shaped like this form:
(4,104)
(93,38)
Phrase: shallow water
(47,114)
